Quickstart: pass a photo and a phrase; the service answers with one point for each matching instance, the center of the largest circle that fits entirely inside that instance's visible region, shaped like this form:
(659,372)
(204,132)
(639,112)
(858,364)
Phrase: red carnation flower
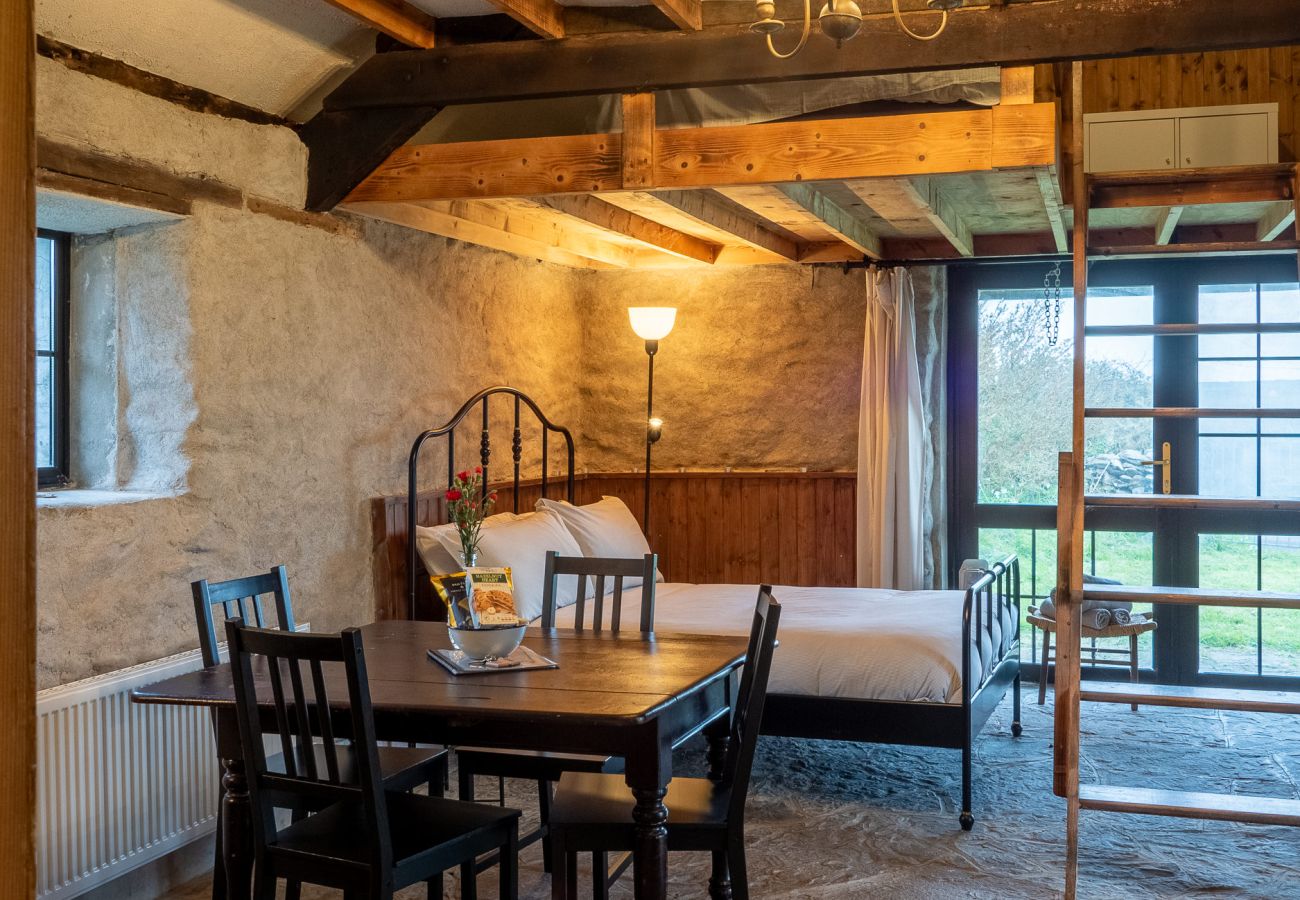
(478,470)
(453,495)
(462,476)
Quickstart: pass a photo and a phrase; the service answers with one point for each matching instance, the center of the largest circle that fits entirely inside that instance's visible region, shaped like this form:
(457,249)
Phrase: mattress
(850,643)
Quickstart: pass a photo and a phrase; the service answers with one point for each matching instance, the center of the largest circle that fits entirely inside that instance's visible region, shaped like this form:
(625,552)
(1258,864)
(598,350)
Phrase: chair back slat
(602,571)
(239,598)
(262,659)
(747,717)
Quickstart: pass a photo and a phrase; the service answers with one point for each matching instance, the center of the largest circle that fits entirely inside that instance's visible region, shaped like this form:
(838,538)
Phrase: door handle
(1166,468)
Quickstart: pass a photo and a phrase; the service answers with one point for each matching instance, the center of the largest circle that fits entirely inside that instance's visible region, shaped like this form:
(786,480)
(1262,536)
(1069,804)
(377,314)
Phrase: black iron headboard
(485,452)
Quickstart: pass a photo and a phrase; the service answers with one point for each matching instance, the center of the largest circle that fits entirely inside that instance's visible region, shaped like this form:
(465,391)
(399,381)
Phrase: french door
(1009,400)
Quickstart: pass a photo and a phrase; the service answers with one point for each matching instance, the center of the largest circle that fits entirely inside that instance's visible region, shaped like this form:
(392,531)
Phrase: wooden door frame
(17,456)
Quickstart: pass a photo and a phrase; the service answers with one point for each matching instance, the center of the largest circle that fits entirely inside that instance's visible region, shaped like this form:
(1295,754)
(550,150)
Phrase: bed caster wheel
(967,821)
(1016,730)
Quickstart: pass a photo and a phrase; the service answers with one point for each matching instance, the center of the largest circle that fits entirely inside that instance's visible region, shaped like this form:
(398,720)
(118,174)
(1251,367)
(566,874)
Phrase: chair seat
(597,809)
(401,768)
(420,828)
(535,765)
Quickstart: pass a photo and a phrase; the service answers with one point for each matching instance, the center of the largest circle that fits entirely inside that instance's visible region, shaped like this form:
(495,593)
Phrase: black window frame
(57,475)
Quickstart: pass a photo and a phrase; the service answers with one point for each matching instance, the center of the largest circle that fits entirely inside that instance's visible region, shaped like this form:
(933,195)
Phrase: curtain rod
(960,261)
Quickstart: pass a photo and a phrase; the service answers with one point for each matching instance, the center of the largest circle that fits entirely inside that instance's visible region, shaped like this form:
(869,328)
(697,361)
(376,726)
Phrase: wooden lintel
(613,218)
(936,207)
(1192,187)
(1050,190)
(395,18)
(846,226)
(648,61)
(77,170)
(685,14)
(1166,222)
(1275,222)
(638,147)
(544,17)
(711,210)
(771,153)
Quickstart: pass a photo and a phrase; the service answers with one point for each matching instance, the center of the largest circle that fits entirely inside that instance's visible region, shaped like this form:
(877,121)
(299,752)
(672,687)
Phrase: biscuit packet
(491,597)
(455,595)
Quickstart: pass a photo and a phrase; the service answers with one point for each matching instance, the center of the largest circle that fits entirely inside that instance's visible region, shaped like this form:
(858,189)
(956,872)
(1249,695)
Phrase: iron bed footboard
(944,725)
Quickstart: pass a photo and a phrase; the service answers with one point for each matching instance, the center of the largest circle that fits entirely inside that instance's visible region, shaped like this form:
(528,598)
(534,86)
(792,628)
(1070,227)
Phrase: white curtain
(891,440)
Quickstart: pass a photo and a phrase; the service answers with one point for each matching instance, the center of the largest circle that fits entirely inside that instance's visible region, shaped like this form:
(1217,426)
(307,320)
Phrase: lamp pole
(651,433)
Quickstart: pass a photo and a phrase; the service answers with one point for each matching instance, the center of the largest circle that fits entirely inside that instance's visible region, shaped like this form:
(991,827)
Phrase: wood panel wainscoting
(795,528)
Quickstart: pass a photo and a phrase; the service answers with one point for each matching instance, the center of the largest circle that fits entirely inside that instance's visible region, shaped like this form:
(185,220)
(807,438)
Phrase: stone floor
(830,820)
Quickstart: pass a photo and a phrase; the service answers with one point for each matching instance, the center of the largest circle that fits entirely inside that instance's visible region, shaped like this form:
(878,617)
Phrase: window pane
(44,294)
(1280,469)
(1227,303)
(1279,303)
(1120,306)
(1229,636)
(1227,467)
(1128,557)
(44,411)
(1230,385)
(1281,572)
(1119,374)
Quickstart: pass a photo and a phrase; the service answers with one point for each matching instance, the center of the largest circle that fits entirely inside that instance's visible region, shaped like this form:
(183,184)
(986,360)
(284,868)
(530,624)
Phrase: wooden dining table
(626,695)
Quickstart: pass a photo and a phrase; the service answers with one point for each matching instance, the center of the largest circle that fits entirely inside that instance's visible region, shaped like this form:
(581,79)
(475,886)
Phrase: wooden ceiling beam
(1276,221)
(706,207)
(544,17)
(846,226)
(685,14)
(621,221)
(935,206)
(395,18)
(1018,34)
(771,153)
(464,221)
(1166,222)
(1050,189)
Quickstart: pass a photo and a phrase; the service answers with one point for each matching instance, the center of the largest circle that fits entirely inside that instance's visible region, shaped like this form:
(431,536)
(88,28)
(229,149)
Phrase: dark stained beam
(1017,34)
(344,147)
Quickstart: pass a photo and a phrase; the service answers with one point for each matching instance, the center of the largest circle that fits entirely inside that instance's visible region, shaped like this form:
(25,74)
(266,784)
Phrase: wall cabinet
(1199,138)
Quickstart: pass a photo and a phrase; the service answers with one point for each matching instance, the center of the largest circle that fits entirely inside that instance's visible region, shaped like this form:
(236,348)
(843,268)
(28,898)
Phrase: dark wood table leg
(649,768)
(718,734)
(236,835)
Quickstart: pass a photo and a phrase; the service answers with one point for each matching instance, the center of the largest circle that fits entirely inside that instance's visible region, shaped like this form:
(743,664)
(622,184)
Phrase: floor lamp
(651,324)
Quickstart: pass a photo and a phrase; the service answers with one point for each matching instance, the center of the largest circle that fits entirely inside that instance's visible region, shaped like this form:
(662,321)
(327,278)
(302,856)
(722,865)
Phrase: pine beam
(605,215)
(1276,221)
(544,17)
(685,14)
(1167,222)
(846,226)
(395,18)
(707,208)
(942,214)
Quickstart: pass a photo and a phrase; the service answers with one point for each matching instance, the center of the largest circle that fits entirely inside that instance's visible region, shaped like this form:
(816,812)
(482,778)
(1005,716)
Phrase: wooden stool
(1122,657)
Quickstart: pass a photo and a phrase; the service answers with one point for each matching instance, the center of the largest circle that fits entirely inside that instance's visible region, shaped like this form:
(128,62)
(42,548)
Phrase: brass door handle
(1166,467)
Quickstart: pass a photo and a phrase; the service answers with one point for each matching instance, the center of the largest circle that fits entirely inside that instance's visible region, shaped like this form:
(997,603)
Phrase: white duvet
(852,643)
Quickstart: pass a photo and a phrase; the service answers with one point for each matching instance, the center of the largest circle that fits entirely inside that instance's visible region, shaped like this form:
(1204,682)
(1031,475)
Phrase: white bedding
(852,643)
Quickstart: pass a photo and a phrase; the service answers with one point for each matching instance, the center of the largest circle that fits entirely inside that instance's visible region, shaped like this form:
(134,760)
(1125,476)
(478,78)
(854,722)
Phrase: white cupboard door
(1132,145)
(1235,140)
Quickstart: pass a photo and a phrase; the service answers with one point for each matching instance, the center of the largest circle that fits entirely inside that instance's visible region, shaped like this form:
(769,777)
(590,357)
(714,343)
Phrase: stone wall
(271,377)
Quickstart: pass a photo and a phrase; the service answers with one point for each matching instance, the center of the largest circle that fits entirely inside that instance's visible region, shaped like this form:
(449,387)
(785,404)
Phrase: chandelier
(839,20)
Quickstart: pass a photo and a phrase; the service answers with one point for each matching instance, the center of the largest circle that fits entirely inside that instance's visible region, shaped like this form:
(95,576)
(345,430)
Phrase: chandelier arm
(898,16)
(807,29)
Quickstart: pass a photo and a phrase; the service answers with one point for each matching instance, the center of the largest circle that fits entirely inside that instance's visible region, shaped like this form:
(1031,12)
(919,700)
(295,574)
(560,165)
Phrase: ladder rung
(1192,501)
(1190,805)
(1191,697)
(1192,328)
(1141,251)
(1186,596)
(1187,412)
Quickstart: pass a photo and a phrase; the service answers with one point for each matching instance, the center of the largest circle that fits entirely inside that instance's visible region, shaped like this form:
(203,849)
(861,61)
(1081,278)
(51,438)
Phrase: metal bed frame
(913,723)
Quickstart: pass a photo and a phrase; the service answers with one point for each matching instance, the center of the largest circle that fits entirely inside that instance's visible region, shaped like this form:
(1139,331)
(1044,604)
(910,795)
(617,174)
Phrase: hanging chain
(1052,304)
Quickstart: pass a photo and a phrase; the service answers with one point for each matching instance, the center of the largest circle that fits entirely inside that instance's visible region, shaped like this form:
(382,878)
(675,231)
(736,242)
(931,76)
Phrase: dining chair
(404,768)
(593,811)
(363,838)
(547,768)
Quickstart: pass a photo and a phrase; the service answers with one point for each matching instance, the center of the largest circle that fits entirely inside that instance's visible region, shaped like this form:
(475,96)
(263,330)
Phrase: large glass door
(1009,390)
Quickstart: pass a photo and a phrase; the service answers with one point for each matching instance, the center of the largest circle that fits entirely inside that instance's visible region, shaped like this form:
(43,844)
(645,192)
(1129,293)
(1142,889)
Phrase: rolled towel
(1112,605)
(1097,619)
(1121,616)
(1048,609)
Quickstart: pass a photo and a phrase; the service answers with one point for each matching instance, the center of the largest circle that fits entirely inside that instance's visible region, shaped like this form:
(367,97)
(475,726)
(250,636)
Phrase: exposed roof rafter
(545,17)
(395,18)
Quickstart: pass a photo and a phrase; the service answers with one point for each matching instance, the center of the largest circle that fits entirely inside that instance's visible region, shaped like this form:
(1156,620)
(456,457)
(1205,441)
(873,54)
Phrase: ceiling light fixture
(839,20)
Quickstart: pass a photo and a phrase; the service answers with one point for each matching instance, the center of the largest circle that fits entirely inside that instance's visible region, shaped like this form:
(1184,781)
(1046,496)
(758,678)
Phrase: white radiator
(118,784)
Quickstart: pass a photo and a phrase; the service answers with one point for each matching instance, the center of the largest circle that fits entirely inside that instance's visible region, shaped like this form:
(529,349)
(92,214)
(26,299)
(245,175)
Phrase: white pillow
(439,545)
(605,529)
(522,543)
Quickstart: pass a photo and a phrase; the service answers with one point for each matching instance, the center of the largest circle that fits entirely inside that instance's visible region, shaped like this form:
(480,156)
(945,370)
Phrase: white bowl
(492,642)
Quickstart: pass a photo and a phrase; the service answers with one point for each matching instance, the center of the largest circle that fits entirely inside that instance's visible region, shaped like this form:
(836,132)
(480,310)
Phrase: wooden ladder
(1167,189)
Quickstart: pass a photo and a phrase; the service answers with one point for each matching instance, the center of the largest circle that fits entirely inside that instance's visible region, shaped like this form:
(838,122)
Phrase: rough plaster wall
(81,109)
(762,369)
(285,369)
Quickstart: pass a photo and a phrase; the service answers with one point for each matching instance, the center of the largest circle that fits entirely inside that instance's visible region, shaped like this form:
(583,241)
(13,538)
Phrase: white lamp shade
(652,323)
